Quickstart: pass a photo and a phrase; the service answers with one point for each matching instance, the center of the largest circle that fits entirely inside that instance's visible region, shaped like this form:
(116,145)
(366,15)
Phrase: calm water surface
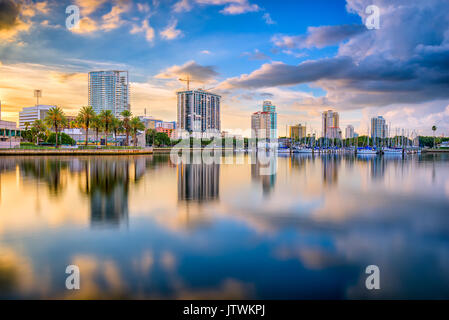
(142,227)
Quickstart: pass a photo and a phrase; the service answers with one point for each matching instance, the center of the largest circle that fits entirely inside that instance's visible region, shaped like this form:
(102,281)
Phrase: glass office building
(109,90)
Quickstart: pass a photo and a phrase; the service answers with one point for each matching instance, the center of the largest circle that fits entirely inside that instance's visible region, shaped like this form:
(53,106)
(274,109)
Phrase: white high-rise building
(349,132)
(30,114)
(199,113)
(109,90)
(379,128)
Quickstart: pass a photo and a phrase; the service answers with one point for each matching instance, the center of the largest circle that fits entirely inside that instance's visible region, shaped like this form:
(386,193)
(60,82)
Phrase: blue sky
(305,56)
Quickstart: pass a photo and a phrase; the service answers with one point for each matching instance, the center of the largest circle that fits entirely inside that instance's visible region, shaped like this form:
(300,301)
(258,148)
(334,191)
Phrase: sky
(304,56)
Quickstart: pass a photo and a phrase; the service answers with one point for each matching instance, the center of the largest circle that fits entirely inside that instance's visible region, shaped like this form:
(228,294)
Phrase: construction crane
(188,80)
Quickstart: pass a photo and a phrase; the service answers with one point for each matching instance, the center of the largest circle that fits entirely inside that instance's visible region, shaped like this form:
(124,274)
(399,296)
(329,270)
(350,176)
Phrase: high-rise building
(261,125)
(349,132)
(109,90)
(199,112)
(298,132)
(331,124)
(270,108)
(379,128)
(30,114)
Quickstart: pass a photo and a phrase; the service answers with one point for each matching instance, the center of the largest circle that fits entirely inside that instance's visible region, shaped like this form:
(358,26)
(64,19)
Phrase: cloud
(182,6)
(170,32)
(109,21)
(14,17)
(405,62)
(319,37)
(89,6)
(191,68)
(143,7)
(257,55)
(267,18)
(146,29)
(232,7)
(112,20)
(206,52)
(85,25)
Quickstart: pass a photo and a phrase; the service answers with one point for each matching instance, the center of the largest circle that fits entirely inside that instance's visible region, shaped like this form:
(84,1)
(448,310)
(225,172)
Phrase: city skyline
(306,59)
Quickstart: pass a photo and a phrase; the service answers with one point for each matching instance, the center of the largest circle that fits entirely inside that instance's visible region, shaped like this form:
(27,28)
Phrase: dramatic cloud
(192,69)
(9,14)
(406,61)
(319,37)
(15,17)
(170,32)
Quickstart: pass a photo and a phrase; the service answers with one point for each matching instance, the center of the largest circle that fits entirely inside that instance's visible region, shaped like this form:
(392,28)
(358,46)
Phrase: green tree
(106,118)
(434,128)
(116,127)
(63,138)
(126,114)
(55,119)
(38,130)
(27,124)
(151,136)
(136,125)
(85,118)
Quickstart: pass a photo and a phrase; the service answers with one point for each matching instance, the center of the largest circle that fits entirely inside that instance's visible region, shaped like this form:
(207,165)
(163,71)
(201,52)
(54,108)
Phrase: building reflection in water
(198,182)
(330,168)
(263,169)
(378,167)
(198,186)
(107,185)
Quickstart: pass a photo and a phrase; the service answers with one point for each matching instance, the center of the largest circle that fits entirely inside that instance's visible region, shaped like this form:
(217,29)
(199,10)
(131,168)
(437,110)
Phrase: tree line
(104,122)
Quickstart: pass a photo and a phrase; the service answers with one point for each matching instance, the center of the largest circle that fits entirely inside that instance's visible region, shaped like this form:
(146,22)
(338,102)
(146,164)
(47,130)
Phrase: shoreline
(74,152)
(104,152)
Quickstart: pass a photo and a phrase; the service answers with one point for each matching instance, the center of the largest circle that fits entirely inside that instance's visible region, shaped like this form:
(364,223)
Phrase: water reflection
(107,185)
(263,170)
(198,182)
(304,226)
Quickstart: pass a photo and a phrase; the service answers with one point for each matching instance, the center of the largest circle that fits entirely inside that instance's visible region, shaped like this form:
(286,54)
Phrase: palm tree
(106,118)
(96,125)
(434,128)
(55,119)
(136,125)
(126,114)
(85,118)
(26,124)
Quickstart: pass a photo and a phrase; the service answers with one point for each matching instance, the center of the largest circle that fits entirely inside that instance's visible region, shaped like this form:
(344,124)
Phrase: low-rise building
(10,135)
